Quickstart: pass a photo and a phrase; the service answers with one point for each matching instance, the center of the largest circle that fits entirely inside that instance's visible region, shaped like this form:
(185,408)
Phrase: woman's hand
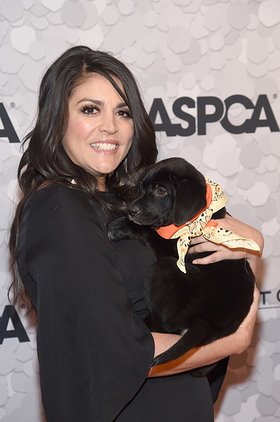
(221,252)
(235,343)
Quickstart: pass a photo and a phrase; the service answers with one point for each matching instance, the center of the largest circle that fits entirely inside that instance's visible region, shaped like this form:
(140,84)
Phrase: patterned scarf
(201,224)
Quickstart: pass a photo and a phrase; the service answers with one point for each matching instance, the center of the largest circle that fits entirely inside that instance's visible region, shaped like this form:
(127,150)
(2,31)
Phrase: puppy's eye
(160,190)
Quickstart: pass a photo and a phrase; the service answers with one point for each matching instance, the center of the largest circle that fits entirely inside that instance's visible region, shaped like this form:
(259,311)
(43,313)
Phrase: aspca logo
(11,326)
(193,116)
(211,110)
(7,130)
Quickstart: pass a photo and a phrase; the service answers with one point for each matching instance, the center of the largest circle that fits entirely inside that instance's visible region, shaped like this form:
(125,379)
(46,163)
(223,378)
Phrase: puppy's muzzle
(134,212)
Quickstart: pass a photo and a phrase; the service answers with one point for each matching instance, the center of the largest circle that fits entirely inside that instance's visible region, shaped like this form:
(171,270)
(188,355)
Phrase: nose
(133,210)
(108,123)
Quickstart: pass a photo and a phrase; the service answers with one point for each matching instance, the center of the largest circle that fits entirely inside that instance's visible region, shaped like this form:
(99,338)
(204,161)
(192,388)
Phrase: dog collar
(167,232)
(201,224)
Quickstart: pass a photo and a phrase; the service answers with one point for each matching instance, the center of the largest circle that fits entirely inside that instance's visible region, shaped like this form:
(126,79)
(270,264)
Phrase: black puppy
(204,302)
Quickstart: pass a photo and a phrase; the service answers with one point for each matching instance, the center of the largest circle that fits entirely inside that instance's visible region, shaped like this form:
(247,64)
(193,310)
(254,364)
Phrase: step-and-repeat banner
(209,71)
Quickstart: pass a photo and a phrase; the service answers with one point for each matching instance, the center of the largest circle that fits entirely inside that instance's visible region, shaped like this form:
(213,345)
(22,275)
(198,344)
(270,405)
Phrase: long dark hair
(45,161)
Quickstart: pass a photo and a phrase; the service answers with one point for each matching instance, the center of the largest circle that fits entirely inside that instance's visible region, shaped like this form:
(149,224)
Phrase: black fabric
(176,398)
(216,377)
(94,350)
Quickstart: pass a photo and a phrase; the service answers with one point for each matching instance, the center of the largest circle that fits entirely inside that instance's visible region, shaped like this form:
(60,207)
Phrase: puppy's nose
(133,210)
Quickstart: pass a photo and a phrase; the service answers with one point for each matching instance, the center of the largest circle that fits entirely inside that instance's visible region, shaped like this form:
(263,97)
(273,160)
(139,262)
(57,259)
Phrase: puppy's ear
(189,198)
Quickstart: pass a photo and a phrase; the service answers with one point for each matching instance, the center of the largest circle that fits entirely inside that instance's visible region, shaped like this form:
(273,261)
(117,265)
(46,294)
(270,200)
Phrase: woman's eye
(125,113)
(89,109)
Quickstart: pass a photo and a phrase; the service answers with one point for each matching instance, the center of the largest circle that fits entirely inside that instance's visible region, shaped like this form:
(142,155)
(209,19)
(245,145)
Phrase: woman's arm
(235,343)
(221,252)
(90,345)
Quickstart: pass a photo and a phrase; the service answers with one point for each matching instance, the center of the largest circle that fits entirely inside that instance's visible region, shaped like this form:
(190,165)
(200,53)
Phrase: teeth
(104,146)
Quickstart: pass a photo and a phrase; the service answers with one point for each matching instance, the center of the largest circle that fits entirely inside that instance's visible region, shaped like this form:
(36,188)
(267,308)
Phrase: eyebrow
(100,103)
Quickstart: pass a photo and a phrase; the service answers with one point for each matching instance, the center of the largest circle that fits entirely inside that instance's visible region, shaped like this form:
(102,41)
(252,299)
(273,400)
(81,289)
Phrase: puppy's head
(171,191)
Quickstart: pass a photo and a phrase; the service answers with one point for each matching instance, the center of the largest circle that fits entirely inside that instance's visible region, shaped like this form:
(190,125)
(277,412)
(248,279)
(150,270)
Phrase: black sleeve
(94,354)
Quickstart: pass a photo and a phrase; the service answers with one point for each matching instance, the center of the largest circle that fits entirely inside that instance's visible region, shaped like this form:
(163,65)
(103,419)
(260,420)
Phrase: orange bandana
(201,224)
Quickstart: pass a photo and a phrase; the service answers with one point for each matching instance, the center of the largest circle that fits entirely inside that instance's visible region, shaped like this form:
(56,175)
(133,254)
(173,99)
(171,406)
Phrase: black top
(94,350)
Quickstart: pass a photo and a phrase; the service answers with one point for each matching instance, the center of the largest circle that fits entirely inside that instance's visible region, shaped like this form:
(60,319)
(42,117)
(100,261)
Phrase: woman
(92,133)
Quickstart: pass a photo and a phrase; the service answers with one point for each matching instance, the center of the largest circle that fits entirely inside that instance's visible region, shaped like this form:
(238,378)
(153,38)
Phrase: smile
(102,146)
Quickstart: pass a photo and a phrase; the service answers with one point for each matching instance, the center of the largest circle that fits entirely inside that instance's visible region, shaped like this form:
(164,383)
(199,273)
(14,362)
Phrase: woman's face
(100,128)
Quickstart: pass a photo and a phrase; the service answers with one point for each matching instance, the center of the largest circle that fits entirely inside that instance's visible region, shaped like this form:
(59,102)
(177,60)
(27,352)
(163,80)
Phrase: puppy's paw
(122,228)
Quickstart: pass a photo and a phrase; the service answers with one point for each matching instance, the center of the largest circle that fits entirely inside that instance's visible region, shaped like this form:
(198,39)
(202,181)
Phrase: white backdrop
(181,51)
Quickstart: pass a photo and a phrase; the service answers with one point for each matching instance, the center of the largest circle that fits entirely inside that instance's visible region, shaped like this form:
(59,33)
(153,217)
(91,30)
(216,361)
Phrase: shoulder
(58,201)
(58,194)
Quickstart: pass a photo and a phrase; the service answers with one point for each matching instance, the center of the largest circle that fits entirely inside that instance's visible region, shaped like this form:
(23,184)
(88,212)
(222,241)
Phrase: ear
(189,198)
